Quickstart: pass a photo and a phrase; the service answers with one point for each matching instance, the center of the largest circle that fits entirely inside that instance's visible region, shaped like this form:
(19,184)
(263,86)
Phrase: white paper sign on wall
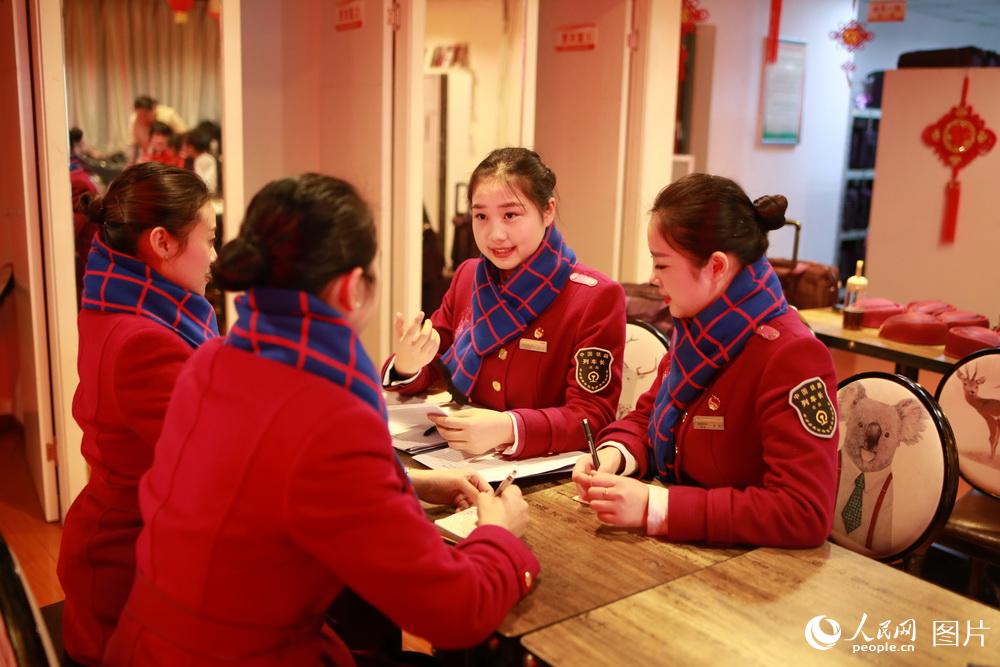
(577,37)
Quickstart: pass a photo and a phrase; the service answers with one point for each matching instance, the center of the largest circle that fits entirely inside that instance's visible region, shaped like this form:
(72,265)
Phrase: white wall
(905,261)
(263,80)
(810,173)
(494,31)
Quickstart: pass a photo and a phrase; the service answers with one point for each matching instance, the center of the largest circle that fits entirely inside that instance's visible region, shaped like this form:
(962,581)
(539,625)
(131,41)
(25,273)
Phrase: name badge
(534,345)
(710,423)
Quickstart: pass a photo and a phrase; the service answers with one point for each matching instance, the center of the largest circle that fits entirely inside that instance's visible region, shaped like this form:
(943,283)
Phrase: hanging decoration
(958,138)
(215,8)
(180,8)
(852,36)
(773,32)
(691,16)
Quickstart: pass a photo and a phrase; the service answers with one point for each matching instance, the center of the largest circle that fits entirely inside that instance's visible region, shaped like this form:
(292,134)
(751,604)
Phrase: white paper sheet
(493,468)
(406,416)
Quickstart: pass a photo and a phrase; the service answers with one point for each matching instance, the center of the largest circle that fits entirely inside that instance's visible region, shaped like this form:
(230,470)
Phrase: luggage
(806,284)
(968,56)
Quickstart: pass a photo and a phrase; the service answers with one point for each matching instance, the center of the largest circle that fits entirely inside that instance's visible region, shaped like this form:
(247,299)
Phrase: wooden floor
(34,542)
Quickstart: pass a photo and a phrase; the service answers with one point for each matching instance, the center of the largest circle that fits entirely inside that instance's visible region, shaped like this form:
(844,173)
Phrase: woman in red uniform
(525,331)
(143,314)
(275,485)
(741,421)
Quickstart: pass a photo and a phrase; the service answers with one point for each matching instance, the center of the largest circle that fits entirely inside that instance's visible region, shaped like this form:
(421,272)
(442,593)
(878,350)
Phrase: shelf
(866,113)
(853,234)
(860,174)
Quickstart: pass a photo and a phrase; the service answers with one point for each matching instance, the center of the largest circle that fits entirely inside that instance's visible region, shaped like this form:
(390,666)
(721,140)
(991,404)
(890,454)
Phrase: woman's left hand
(475,431)
(619,501)
(448,487)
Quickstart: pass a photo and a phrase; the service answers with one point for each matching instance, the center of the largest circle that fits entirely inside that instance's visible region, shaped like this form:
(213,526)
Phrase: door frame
(53,216)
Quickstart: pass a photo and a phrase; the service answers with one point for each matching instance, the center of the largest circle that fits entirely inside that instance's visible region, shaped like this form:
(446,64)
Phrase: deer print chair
(970,396)
(898,467)
(645,346)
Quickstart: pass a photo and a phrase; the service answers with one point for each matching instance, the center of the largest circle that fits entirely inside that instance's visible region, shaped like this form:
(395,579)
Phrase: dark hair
(161,128)
(144,196)
(144,102)
(700,214)
(522,165)
(214,132)
(198,140)
(298,233)
(75,136)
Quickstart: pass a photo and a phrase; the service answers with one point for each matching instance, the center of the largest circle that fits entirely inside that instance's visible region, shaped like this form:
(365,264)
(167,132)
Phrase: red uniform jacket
(541,388)
(128,365)
(272,490)
(764,479)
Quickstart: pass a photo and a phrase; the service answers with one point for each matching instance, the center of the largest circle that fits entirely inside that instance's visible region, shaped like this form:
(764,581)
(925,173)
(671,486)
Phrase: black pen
(429,431)
(590,444)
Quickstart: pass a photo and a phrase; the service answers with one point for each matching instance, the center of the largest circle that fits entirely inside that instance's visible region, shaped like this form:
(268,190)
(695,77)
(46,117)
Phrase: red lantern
(214,8)
(180,8)
(958,138)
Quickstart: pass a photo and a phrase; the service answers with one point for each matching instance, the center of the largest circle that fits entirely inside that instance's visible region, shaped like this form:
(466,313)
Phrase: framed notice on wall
(782,85)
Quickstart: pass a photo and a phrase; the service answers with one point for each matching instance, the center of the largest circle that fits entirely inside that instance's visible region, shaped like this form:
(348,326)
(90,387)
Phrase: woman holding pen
(276,488)
(741,421)
(526,332)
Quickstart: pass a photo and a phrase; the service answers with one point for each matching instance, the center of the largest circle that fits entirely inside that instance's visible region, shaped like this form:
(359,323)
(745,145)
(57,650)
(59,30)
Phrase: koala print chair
(897,464)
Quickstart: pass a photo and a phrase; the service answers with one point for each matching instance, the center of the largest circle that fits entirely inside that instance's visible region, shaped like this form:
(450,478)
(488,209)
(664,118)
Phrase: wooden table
(585,565)
(909,359)
(754,609)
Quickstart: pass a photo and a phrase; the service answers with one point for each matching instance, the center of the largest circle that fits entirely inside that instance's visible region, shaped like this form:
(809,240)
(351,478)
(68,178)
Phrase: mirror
(143,83)
(474,58)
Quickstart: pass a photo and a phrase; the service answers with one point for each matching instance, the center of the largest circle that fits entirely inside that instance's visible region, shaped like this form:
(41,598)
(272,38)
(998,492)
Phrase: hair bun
(770,211)
(94,206)
(242,263)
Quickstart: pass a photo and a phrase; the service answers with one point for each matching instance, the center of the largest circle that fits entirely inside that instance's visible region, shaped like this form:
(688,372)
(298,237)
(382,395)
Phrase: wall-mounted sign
(881,11)
(349,16)
(782,93)
(578,37)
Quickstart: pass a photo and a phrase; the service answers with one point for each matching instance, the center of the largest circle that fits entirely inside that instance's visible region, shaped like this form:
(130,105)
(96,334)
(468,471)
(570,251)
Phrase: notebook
(459,525)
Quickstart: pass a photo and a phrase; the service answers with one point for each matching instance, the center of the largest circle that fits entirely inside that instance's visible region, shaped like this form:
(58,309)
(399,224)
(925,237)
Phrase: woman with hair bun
(276,487)
(143,314)
(741,421)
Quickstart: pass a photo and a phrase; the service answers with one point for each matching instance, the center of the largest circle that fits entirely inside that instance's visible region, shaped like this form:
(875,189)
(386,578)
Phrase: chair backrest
(969,395)
(24,638)
(644,302)
(898,467)
(644,349)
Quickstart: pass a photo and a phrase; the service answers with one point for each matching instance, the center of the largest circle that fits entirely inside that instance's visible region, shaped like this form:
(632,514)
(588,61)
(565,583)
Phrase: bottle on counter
(857,285)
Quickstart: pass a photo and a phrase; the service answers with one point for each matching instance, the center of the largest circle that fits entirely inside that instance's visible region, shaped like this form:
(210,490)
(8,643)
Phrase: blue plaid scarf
(501,312)
(295,328)
(117,283)
(702,347)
